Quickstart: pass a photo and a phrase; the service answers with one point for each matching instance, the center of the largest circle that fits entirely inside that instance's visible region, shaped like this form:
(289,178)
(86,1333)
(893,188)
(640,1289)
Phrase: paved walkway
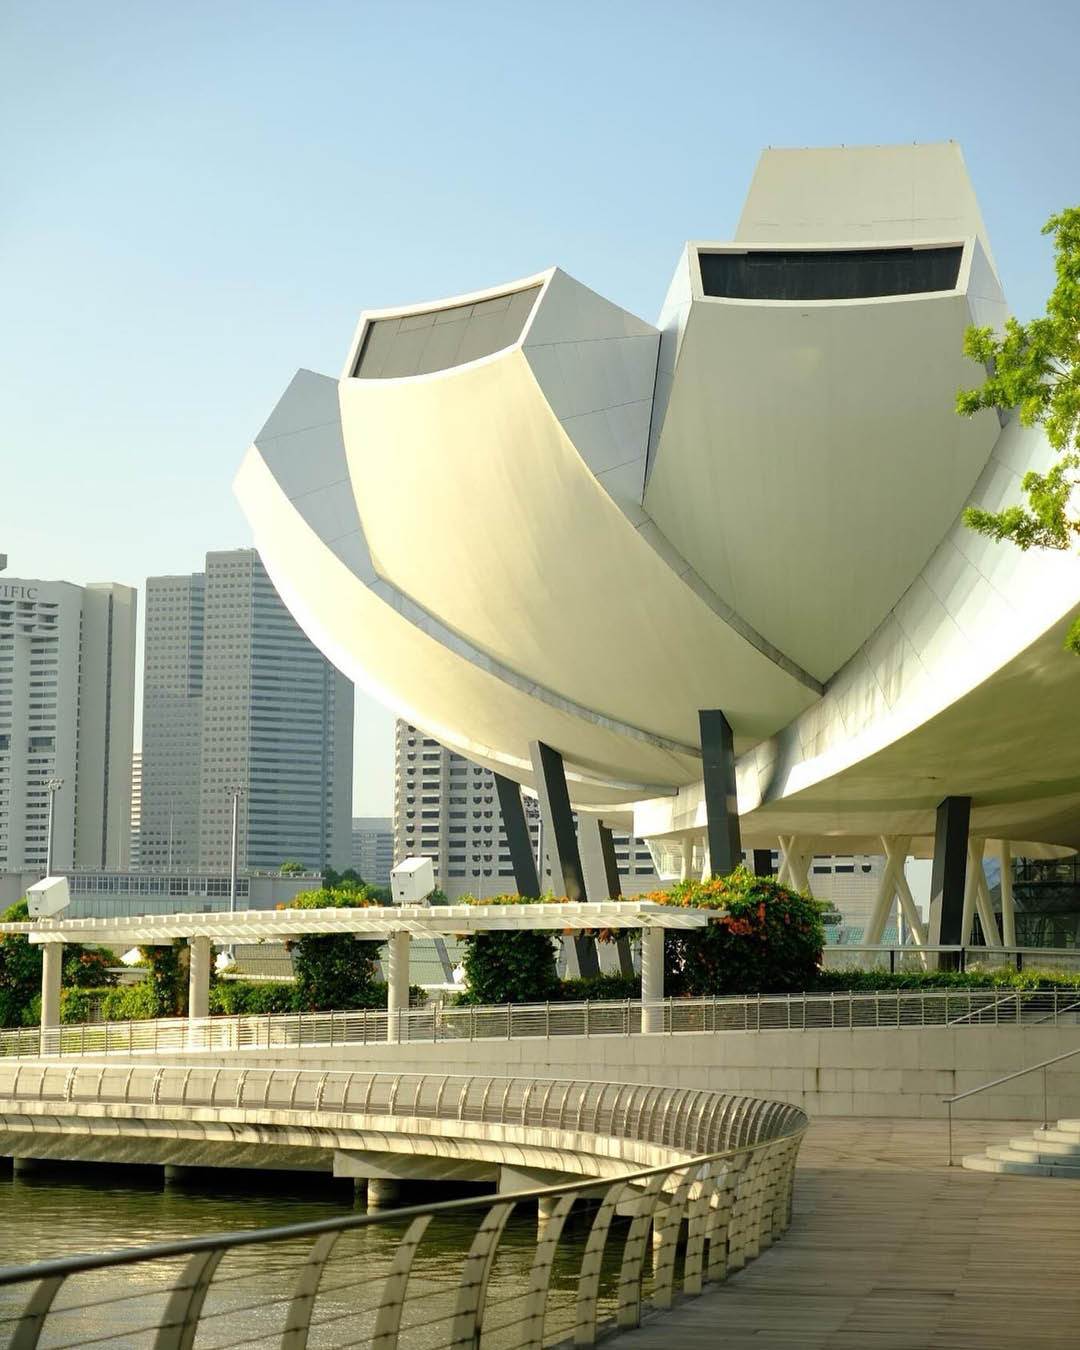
(890,1250)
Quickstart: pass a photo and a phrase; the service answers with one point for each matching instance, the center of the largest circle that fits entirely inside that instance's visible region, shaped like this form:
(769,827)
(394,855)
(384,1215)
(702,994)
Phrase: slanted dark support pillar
(949,875)
(517,836)
(611,863)
(763,862)
(560,838)
(721,801)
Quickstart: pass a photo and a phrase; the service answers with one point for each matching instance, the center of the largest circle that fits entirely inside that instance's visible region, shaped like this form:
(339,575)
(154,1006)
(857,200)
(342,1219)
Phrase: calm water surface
(75,1209)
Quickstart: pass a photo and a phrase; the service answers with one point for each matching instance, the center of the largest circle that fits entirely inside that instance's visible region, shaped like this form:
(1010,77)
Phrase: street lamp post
(52,786)
(235,793)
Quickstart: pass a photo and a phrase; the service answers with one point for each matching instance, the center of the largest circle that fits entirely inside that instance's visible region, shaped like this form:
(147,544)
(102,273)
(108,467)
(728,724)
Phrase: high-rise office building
(172,721)
(447,809)
(237,698)
(67,705)
(373,848)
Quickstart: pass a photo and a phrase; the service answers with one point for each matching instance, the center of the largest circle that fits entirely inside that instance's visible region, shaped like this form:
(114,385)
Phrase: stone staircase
(1051,1152)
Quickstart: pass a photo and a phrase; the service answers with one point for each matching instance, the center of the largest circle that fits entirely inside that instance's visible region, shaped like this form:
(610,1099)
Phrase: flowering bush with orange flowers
(765,939)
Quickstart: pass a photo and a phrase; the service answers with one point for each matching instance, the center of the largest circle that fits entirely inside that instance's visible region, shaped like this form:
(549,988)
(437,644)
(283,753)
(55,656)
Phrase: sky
(197,199)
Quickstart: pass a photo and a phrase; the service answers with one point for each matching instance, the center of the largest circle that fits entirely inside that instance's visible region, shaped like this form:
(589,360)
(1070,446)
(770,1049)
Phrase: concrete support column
(25,1167)
(721,799)
(517,836)
(397,986)
(1008,911)
(687,869)
(763,862)
(949,873)
(545,1208)
(382,1193)
(52,966)
(198,977)
(652,979)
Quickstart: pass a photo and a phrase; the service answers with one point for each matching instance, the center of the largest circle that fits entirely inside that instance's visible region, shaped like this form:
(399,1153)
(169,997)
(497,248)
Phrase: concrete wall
(828,1073)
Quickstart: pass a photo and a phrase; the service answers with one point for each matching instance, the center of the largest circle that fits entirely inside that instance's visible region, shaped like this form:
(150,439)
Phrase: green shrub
(252,997)
(871,981)
(598,987)
(768,940)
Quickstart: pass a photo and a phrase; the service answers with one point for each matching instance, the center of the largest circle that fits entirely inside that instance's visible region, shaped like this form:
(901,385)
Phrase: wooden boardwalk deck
(891,1250)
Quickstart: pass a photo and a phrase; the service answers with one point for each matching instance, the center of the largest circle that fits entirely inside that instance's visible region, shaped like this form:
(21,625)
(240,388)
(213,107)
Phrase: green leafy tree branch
(1035,368)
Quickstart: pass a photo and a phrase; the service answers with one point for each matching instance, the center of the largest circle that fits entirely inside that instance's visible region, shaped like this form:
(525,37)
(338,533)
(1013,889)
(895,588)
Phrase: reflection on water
(74,1209)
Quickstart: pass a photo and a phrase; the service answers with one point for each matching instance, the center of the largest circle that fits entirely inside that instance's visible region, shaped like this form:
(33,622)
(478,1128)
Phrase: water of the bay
(71,1209)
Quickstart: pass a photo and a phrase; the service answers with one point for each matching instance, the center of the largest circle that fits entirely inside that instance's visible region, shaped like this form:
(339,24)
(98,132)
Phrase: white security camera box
(412,881)
(48,897)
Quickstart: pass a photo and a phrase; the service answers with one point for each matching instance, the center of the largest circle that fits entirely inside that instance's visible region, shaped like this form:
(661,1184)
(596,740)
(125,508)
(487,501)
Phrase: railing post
(509,1021)
(586,1018)
(1046,1113)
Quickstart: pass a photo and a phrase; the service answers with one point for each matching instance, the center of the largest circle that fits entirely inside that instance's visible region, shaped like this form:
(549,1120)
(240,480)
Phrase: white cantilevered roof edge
(376,922)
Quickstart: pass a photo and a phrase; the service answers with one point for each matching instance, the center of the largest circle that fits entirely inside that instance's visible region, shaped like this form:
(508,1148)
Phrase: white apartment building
(373,848)
(67,706)
(236,697)
(447,809)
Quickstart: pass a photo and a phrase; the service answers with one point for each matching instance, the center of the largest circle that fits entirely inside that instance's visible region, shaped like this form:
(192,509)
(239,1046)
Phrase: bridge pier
(382,1193)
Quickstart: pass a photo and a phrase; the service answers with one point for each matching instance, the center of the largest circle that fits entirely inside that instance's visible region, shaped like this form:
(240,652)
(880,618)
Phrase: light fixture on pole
(235,793)
(52,786)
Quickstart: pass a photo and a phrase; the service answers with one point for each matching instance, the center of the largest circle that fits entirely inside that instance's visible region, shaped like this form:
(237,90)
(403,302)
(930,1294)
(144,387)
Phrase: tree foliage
(333,970)
(1035,368)
(768,940)
(20,970)
(292,868)
(511,966)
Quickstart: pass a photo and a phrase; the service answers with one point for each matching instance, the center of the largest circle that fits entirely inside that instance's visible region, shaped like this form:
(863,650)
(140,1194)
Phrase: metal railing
(691,1120)
(370,1280)
(438,1022)
(1044,1065)
(911,958)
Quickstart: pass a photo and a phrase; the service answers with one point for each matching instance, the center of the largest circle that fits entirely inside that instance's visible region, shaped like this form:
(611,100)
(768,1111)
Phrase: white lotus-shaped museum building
(526,515)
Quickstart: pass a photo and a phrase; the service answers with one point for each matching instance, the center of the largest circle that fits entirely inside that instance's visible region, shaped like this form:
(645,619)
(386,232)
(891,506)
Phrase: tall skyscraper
(236,697)
(67,706)
(373,848)
(172,721)
(447,809)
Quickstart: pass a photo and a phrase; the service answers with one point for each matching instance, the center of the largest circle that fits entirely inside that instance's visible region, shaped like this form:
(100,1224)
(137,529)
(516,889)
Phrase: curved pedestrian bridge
(674,1189)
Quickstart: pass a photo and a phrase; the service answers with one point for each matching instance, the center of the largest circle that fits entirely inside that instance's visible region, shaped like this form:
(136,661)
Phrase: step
(1069,1127)
(1050,1141)
(979,1162)
(1032,1153)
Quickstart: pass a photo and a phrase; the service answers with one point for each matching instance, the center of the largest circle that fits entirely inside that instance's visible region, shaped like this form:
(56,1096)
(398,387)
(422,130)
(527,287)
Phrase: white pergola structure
(394,925)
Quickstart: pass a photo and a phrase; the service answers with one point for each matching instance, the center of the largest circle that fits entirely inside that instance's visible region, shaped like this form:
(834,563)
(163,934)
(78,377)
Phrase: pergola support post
(518,842)
(562,845)
(949,874)
(721,797)
(52,967)
(652,980)
(198,977)
(397,985)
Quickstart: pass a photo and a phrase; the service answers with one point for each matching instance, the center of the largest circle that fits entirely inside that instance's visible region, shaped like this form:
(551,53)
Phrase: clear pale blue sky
(199,198)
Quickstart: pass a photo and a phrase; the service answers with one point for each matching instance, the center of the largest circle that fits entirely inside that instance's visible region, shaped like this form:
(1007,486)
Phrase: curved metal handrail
(661,1116)
(730,1202)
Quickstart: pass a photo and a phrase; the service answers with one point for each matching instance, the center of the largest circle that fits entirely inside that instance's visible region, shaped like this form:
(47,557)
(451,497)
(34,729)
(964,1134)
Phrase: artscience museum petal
(526,516)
